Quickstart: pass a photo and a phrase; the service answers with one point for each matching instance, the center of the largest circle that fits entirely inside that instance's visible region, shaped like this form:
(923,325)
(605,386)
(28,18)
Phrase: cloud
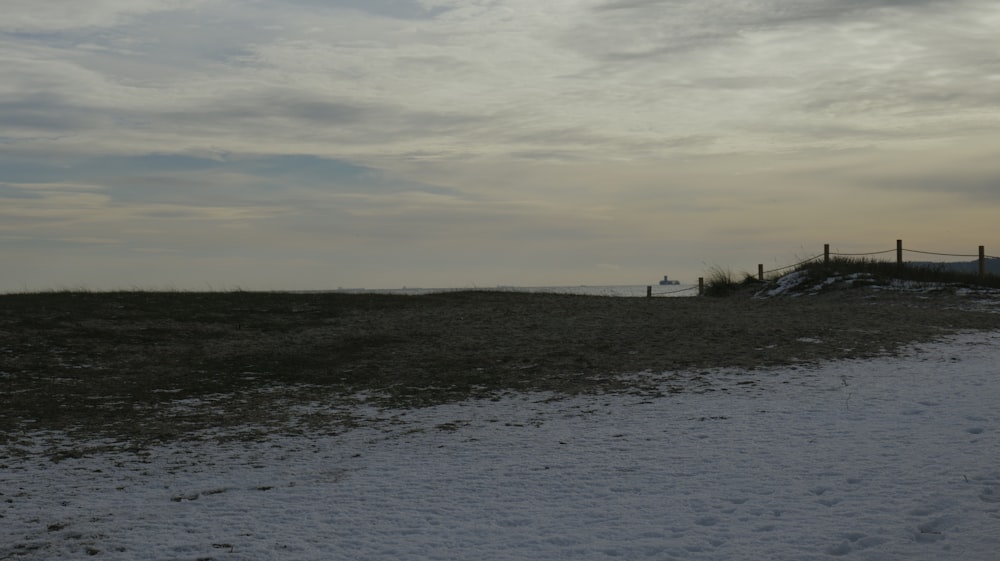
(397,9)
(494,137)
(766,12)
(8,191)
(224,180)
(42,114)
(28,16)
(264,83)
(967,173)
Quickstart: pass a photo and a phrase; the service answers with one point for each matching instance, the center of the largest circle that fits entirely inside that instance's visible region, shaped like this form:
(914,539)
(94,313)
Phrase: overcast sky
(312,144)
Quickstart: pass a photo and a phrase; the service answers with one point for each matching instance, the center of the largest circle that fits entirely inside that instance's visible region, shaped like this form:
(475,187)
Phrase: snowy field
(887,459)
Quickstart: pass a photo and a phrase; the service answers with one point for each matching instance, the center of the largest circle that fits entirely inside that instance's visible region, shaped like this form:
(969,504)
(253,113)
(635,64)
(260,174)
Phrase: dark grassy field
(147,366)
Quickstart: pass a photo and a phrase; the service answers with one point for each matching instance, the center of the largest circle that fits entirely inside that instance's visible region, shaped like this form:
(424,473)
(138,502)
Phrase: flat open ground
(251,426)
(145,367)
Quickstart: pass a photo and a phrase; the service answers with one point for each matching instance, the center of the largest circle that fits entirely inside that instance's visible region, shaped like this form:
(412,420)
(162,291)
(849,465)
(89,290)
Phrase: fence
(825,256)
(700,288)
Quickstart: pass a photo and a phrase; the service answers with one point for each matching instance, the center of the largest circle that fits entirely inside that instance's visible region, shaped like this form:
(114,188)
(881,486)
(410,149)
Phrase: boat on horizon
(666,281)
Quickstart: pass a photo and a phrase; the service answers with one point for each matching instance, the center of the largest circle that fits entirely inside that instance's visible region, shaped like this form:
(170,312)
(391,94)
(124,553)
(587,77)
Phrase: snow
(802,283)
(887,459)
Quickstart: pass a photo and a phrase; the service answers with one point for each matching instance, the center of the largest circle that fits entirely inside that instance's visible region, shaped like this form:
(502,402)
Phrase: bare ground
(141,367)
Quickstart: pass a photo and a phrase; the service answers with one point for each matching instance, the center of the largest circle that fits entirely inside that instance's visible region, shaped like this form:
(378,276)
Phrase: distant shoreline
(626,290)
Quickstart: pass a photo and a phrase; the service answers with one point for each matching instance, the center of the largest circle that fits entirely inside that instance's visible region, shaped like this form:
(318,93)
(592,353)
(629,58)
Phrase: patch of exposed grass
(143,366)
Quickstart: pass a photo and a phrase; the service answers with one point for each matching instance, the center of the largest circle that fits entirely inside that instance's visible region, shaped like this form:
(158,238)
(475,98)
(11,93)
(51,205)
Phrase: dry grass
(142,366)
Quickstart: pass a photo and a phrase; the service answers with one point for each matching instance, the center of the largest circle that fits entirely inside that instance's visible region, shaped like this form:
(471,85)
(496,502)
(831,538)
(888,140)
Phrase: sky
(308,144)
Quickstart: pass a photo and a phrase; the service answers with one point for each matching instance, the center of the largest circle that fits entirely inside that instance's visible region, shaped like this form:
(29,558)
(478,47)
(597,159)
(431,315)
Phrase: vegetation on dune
(722,281)
(881,272)
(852,272)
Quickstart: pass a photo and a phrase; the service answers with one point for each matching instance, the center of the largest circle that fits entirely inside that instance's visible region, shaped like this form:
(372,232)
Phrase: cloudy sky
(311,144)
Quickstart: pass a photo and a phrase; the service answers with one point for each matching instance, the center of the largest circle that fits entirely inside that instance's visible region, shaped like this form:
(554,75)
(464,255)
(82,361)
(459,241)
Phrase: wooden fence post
(760,272)
(701,286)
(982,261)
(649,291)
(826,254)
(899,254)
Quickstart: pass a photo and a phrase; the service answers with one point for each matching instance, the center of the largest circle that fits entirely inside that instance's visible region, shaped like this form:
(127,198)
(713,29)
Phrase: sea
(624,291)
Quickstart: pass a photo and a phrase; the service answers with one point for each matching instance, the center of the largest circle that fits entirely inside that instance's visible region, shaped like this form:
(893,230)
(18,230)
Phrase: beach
(112,363)
(844,426)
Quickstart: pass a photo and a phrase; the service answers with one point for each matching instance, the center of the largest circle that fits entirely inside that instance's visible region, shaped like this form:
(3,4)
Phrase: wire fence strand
(941,254)
(674,291)
(793,266)
(862,254)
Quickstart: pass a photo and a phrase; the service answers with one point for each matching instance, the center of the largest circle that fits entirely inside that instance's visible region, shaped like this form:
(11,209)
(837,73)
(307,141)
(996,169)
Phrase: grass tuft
(721,281)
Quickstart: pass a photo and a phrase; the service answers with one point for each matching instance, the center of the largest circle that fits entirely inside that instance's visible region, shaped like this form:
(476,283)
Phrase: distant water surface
(627,291)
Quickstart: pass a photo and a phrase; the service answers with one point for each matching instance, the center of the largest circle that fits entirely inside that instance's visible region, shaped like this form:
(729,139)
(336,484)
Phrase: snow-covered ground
(887,459)
(802,283)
